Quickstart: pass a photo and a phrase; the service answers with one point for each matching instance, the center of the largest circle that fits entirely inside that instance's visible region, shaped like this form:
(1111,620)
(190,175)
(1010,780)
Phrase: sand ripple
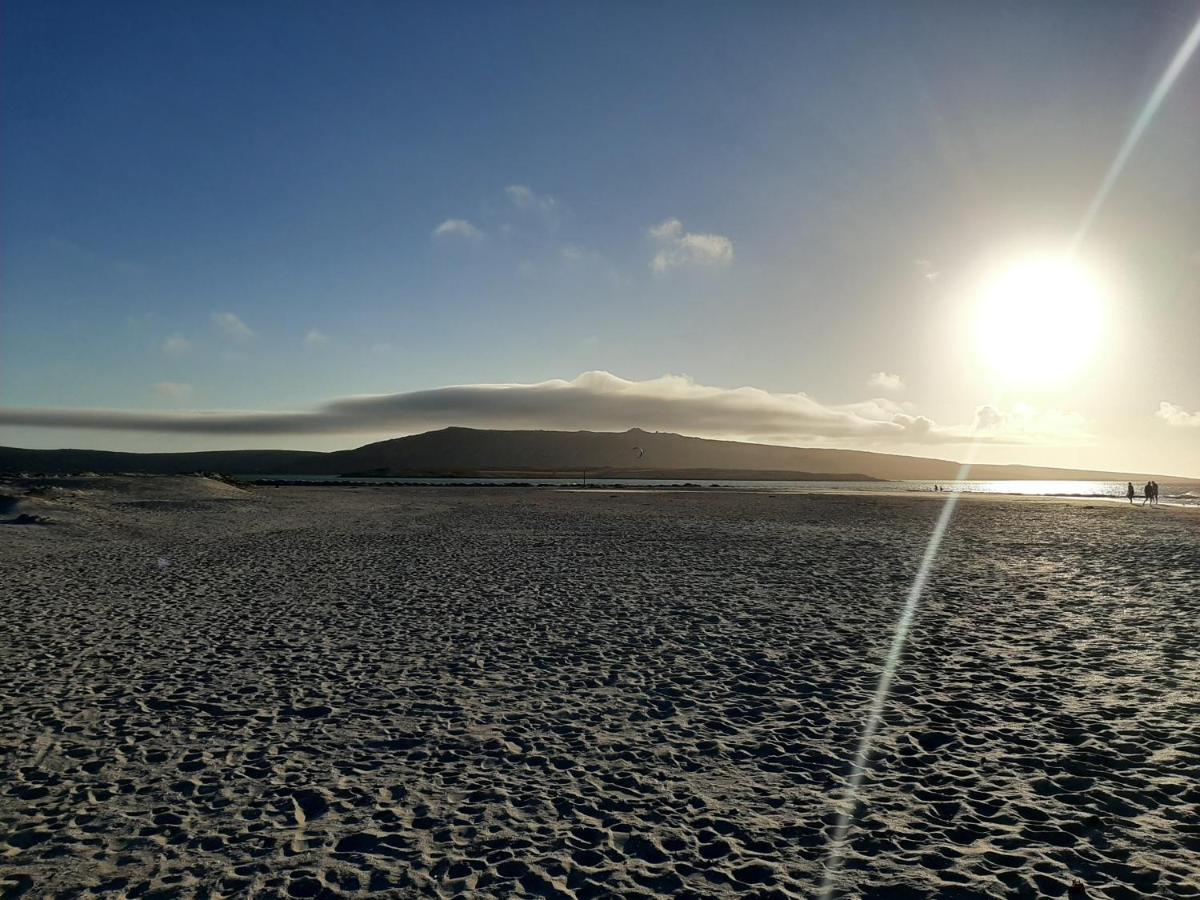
(318,693)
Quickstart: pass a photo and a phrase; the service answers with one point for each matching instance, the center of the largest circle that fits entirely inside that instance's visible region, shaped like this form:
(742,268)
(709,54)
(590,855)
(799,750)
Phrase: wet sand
(214,691)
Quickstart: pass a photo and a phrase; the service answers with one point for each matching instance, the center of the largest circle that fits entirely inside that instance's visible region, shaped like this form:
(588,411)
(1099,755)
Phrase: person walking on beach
(1154,493)
(1148,491)
(1129,493)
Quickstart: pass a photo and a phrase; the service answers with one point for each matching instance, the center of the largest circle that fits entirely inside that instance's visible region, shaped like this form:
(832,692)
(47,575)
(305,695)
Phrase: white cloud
(1177,416)
(886,381)
(667,230)
(232,326)
(914,425)
(176,345)
(682,248)
(172,389)
(315,338)
(593,400)
(457,228)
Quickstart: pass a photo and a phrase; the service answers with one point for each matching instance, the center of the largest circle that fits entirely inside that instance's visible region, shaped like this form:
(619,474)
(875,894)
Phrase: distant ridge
(470,451)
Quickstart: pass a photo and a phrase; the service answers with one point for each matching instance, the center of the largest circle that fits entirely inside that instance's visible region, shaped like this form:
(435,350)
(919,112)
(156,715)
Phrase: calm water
(1178,494)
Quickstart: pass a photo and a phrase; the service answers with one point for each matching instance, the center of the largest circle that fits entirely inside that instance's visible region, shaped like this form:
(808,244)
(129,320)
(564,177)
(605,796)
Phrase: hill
(467,451)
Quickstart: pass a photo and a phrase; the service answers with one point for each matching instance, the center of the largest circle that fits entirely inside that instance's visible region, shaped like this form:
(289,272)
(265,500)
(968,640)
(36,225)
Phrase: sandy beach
(210,690)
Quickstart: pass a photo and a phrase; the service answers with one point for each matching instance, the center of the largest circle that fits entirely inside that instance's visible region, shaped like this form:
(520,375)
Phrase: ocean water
(1174,494)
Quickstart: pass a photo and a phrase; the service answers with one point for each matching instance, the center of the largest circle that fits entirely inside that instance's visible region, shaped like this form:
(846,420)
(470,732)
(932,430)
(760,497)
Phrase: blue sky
(839,175)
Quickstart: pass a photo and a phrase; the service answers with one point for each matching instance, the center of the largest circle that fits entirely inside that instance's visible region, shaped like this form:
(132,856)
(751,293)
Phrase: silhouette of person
(1148,490)
(1154,493)
(1129,492)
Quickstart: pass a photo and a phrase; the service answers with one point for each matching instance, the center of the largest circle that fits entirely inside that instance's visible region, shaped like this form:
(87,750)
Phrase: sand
(212,691)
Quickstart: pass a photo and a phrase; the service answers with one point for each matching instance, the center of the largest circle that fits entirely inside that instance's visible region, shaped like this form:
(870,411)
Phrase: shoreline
(688,487)
(630,487)
(1020,498)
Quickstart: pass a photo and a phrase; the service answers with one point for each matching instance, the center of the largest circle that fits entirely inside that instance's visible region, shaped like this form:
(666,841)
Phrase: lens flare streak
(862,757)
(1169,77)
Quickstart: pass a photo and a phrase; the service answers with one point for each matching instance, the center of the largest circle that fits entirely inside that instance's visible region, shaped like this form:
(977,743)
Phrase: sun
(1039,321)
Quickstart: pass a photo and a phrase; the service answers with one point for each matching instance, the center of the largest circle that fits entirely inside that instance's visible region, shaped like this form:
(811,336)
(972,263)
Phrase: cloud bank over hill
(595,400)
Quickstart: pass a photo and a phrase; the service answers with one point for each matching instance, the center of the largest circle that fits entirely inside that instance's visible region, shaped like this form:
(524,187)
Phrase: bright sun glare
(1039,321)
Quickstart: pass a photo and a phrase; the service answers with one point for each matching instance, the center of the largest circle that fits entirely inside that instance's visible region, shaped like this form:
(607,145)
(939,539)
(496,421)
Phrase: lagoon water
(1174,494)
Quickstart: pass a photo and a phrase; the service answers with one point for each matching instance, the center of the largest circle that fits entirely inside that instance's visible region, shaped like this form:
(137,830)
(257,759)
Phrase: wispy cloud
(315,338)
(1028,424)
(1178,417)
(682,248)
(232,326)
(594,400)
(525,198)
(541,210)
(176,345)
(988,418)
(927,269)
(885,381)
(172,389)
(460,228)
